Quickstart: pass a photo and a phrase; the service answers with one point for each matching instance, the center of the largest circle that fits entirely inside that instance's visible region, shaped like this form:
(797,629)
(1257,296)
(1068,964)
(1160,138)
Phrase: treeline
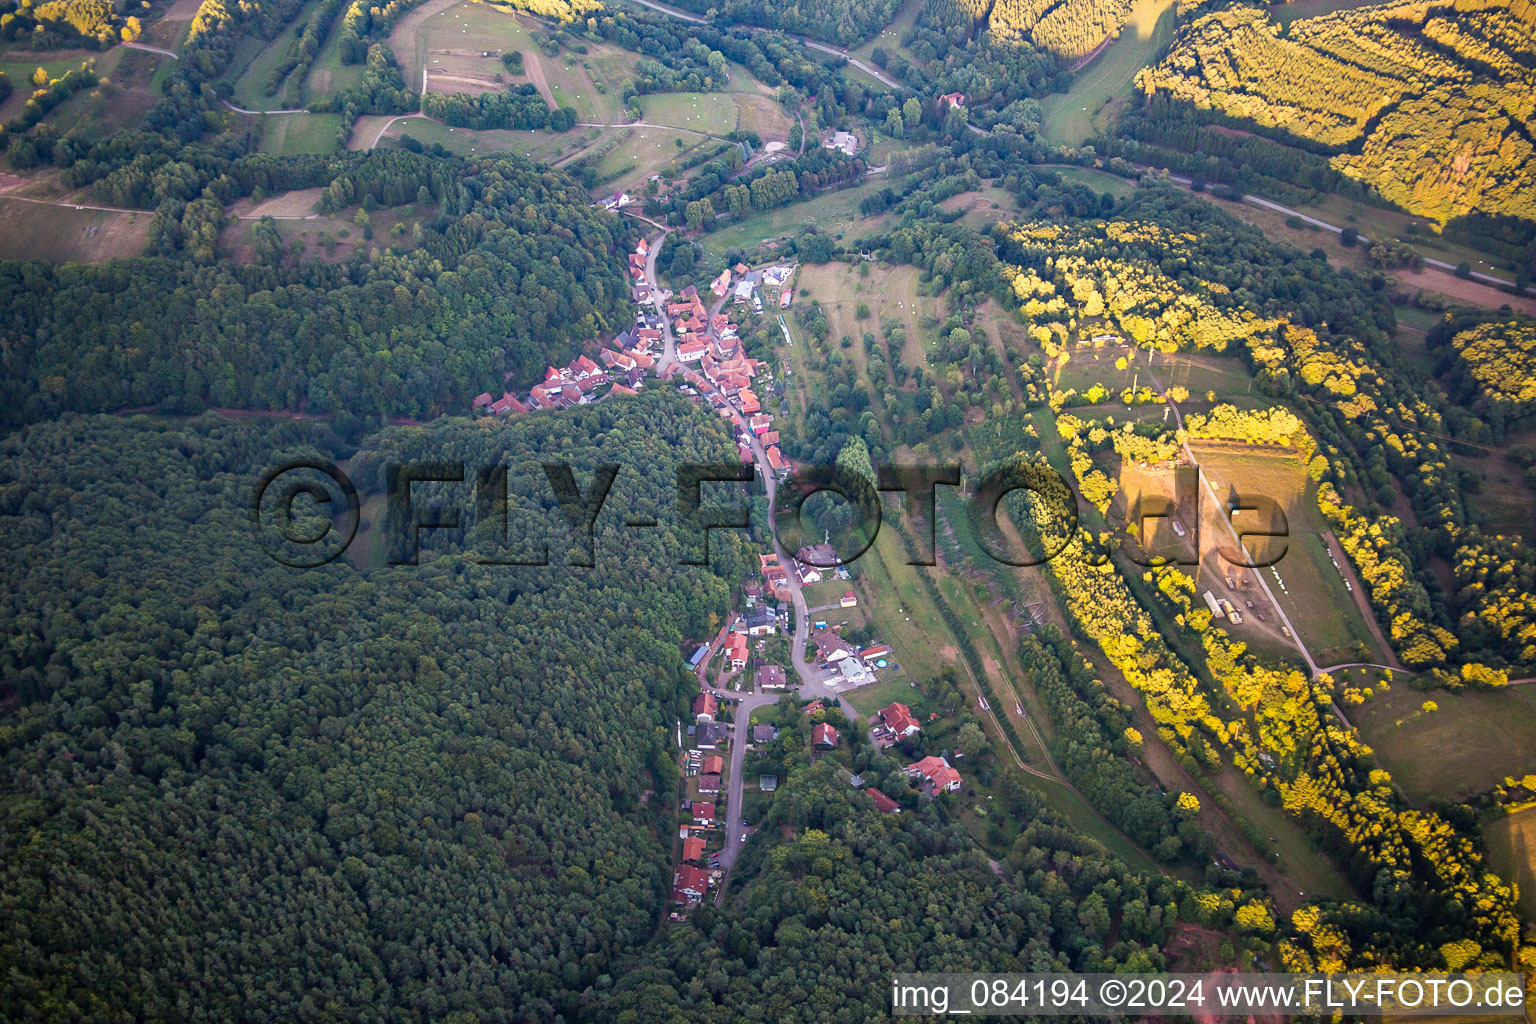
(397,794)
(1066,29)
(521,108)
(516,269)
(44,100)
(847,22)
(1489,366)
(61,24)
(365,22)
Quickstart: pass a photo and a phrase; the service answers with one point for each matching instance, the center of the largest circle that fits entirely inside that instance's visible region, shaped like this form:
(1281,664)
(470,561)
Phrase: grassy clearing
(642,152)
(1070,118)
(1503,502)
(835,212)
(1465,747)
(889,38)
(711,112)
(547,147)
(1099,181)
(289,134)
(983,208)
(1512,851)
(64,234)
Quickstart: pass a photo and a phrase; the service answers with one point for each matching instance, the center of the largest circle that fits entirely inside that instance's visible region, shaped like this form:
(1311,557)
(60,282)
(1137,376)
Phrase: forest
(1426,103)
(237,789)
(514,270)
(845,22)
(1066,29)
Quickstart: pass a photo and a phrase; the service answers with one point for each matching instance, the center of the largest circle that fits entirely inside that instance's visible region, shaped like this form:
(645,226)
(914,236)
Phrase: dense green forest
(1066,29)
(240,790)
(515,267)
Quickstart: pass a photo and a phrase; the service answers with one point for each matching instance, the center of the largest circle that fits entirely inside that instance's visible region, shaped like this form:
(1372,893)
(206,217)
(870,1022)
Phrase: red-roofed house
(776,459)
(736,650)
(703,814)
(824,735)
(954,99)
(713,764)
(693,848)
(760,423)
(873,653)
(692,351)
(692,882)
(507,403)
(936,772)
(620,389)
(705,707)
(883,803)
(749,402)
(481,401)
(721,284)
(648,334)
(769,437)
(898,718)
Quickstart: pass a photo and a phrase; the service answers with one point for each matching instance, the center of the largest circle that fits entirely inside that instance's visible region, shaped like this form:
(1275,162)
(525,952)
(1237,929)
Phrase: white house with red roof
(936,774)
(736,650)
(898,718)
(823,735)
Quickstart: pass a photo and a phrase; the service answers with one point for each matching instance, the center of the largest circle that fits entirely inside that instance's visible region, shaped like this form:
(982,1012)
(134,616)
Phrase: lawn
(289,134)
(1512,853)
(889,38)
(1070,118)
(1465,747)
(835,212)
(641,152)
(64,234)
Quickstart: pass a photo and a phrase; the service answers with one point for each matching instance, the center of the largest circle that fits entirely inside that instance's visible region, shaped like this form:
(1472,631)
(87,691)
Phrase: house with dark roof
(709,784)
(709,735)
(762,622)
(764,733)
(771,677)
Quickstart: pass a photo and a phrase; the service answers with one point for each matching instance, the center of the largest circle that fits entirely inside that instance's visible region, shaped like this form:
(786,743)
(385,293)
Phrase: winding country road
(242,110)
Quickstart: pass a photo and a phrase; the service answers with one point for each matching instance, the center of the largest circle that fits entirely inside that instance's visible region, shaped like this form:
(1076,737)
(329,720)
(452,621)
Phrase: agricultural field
(1099,181)
(1098,91)
(43,231)
(324,237)
(1465,747)
(889,38)
(1512,851)
(711,113)
(1503,502)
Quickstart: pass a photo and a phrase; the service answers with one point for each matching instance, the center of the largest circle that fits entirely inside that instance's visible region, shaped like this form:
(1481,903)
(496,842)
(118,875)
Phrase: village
(776,645)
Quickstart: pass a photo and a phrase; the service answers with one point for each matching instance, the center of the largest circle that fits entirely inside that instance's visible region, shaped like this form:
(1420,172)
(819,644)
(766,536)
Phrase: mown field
(288,134)
(1466,746)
